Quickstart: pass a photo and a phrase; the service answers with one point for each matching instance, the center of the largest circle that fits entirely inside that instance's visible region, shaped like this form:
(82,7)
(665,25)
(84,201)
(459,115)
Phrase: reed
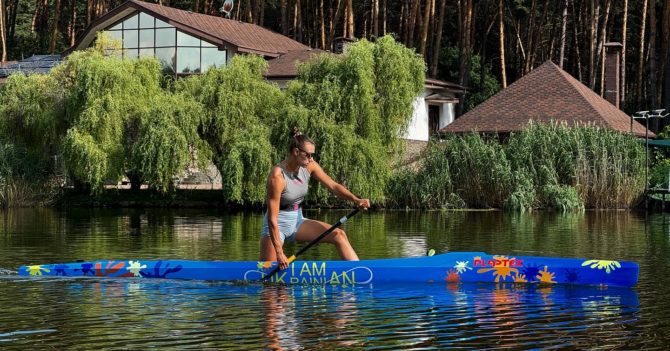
(554,166)
(24,179)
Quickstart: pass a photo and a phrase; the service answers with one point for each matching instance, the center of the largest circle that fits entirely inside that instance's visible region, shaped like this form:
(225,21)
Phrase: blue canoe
(450,267)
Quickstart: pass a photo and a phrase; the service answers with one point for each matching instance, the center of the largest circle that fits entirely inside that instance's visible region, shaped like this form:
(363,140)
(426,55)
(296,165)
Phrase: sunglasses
(309,155)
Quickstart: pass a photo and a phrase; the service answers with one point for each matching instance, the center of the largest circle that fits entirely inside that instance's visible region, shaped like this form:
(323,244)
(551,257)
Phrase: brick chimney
(612,73)
(340,44)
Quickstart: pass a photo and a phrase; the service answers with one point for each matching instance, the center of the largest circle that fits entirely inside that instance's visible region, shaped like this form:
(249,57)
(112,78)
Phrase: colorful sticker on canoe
(134,267)
(501,266)
(462,266)
(608,266)
(37,270)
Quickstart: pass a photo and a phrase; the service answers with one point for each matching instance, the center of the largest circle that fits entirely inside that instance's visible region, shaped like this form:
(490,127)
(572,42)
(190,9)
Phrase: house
(547,94)
(190,43)
(433,109)
(33,64)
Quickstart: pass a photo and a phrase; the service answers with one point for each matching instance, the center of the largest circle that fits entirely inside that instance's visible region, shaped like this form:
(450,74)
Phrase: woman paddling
(286,189)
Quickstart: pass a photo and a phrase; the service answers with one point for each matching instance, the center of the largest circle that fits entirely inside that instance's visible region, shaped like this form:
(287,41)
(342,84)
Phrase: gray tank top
(295,190)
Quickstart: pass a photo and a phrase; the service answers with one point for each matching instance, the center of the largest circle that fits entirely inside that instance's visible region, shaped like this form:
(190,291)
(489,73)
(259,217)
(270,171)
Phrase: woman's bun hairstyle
(295,132)
(297,139)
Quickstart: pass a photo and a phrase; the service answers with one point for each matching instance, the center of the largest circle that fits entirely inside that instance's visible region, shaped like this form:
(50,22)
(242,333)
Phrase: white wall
(447,113)
(418,126)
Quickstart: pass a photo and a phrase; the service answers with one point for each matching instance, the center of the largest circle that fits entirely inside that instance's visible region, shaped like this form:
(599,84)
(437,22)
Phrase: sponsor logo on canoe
(498,261)
(313,273)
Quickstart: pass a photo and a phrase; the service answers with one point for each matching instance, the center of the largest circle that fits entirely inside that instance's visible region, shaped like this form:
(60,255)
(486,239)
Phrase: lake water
(88,314)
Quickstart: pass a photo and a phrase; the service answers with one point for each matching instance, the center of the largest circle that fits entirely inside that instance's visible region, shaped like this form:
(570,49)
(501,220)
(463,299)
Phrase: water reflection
(88,313)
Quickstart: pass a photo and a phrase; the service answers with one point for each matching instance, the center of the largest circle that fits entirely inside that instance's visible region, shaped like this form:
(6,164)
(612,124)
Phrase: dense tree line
(95,119)
(510,37)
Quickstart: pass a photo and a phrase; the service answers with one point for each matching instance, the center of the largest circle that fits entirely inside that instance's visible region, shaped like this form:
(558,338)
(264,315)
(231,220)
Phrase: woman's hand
(363,204)
(282,260)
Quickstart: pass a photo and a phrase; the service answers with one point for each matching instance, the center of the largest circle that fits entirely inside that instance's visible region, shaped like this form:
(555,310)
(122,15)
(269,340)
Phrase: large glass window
(131,23)
(142,35)
(118,26)
(165,37)
(130,38)
(146,21)
(188,60)
(167,57)
(161,24)
(115,35)
(212,57)
(130,53)
(184,39)
(147,52)
(147,38)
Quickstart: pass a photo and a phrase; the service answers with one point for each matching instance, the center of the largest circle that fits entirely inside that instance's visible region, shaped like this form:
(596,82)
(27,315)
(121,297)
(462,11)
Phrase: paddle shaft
(313,242)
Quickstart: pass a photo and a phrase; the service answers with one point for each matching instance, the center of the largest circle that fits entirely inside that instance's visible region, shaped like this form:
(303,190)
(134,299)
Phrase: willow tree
(166,141)
(31,109)
(237,104)
(31,112)
(354,115)
(121,122)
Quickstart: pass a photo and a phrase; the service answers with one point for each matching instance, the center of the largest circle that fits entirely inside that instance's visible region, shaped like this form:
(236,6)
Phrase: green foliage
(237,105)
(605,166)
(107,97)
(545,166)
(107,116)
(562,197)
(111,117)
(479,90)
(523,197)
(162,147)
(32,110)
(659,175)
(354,115)
(479,169)
(82,150)
(431,187)
(399,78)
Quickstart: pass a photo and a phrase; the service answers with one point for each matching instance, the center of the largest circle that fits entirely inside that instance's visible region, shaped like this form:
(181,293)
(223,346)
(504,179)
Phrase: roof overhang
(441,99)
(128,8)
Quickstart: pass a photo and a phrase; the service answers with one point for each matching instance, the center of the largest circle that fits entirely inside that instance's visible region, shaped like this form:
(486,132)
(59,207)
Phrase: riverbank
(180,198)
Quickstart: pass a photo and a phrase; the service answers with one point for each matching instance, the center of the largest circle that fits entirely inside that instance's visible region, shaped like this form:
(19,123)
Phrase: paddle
(313,242)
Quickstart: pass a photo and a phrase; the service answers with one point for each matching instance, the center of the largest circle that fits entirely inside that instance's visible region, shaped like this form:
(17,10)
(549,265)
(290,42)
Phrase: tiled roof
(246,37)
(33,64)
(284,66)
(545,94)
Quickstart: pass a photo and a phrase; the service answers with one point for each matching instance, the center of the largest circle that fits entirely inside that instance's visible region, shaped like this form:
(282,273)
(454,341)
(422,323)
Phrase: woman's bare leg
(268,252)
(311,229)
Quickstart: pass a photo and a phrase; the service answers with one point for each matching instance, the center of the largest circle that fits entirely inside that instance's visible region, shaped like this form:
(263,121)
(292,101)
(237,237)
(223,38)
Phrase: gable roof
(547,93)
(285,66)
(246,37)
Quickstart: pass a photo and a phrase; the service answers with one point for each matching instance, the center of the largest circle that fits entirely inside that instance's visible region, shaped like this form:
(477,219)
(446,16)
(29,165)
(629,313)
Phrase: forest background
(508,37)
(484,45)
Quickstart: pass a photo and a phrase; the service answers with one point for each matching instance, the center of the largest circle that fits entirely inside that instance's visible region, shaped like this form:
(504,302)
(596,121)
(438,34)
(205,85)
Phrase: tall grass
(24,179)
(545,166)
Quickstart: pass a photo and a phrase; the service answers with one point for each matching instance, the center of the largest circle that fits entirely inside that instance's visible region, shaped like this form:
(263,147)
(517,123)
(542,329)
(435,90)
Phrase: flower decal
(462,266)
(608,266)
(37,270)
(135,267)
(264,264)
(545,276)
